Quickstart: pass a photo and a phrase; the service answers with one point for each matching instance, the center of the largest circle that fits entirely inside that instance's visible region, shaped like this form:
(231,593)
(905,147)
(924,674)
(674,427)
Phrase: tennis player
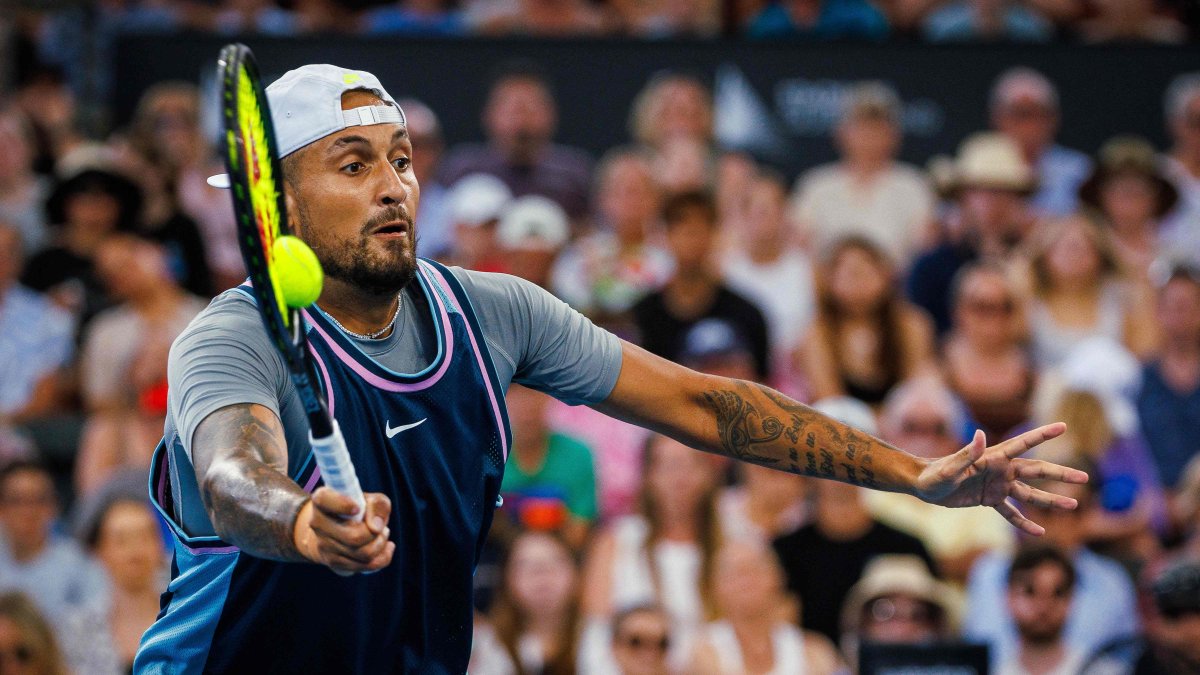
(271,574)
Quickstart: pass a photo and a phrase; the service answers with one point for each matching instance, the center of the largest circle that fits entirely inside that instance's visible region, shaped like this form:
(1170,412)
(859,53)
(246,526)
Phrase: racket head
(255,179)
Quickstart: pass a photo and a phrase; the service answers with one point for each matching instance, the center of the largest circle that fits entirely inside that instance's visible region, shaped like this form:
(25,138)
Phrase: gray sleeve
(537,340)
(223,358)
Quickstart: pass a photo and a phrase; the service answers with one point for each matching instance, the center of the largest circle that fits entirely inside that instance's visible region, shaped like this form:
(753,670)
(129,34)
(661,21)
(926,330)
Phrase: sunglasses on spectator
(21,654)
(926,427)
(635,641)
(887,610)
(992,307)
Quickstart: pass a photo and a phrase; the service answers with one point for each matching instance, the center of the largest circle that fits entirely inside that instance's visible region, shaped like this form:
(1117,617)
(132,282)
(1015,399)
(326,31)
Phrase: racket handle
(336,470)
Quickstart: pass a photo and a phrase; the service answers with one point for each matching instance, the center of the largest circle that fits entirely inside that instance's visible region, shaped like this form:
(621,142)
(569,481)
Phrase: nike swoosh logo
(387,427)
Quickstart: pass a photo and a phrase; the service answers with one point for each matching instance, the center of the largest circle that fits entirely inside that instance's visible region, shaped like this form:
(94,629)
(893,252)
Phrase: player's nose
(392,188)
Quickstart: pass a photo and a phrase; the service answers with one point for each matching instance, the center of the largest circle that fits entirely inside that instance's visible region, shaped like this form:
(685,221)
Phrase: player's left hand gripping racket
(252,160)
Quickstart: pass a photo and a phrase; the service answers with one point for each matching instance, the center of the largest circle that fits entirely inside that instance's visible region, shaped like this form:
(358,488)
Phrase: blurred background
(921,216)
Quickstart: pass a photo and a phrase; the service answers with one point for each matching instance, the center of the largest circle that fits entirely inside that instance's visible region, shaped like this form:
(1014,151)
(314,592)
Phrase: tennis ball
(297,273)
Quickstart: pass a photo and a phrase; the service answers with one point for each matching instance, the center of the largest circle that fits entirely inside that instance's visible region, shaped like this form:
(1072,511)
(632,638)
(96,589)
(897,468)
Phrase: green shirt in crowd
(567,472)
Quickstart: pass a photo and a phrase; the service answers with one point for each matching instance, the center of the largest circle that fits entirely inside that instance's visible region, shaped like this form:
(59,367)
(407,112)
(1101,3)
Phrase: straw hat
(991,160)
(1125,155)
(898,575)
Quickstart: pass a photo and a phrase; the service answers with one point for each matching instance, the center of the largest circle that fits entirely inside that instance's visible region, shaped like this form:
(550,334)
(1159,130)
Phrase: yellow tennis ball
(296,270)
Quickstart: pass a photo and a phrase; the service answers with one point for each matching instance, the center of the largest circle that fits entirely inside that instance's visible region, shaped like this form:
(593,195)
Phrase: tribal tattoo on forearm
(758,424)
(241,464)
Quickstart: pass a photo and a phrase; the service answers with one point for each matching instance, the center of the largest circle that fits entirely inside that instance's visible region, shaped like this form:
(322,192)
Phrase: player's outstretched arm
(757,424)
(240,457)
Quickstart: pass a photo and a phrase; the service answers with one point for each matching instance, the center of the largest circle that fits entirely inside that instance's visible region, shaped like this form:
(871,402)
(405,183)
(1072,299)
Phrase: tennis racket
(252,161)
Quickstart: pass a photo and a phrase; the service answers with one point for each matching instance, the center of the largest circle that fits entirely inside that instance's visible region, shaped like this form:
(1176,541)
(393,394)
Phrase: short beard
(352,263)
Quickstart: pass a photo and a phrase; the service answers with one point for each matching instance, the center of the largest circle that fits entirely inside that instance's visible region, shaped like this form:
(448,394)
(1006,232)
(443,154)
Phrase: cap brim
(219,181)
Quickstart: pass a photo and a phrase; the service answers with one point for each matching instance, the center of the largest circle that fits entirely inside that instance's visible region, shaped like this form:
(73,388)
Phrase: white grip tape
(334,461)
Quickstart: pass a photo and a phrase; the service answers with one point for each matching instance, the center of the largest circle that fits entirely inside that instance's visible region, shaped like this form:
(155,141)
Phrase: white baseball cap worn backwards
(306,106)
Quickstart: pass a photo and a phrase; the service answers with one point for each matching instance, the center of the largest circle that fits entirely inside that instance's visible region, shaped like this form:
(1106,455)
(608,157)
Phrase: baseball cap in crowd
(1177,590)
(533,222)
(712,339)
(477,199)
(306,106)
(1023,85)
(873,100)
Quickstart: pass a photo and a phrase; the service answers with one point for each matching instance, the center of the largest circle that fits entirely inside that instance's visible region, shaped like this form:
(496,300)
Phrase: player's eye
(401,163)
(354,167)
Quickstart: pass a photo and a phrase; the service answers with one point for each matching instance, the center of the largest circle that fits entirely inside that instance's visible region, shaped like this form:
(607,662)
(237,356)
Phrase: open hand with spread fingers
(979,475)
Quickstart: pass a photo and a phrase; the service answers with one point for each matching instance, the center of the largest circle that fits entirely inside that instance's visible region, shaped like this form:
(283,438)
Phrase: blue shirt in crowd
(838,19)
(1169,420)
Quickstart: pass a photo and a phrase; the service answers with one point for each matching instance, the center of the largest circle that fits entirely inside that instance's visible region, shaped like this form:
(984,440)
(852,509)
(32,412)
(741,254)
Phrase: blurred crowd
(1015,283)
(1089,21)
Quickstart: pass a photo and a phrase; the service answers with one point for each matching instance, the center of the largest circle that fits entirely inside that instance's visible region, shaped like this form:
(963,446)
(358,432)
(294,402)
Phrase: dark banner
(777,100)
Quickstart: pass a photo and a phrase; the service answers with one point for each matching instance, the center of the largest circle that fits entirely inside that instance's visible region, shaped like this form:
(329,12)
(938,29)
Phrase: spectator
(767,268)
(546,18)
(990,186)
(1078,292)
(36,341)
(819,20)
(84,209)
(476,203)
(123,533)
(754,634)
(520,119)
(987,21)
(986,361)
(27,644)
(696,292)
(1133,506)
(662,554)
(237,17)
(668,18)
(922,416)
(641,638)
(1024,106)
(606,272)
(535,619)
(897,601)
(414,17)
(1173,632)
(1181,230)
(1133,194)
(22,192)
(163,219)
(1041,585)
(425,133)
(764,505)
(735,176)
(682,164)
(51,569)
(1130,21)
(717,347)
(548,466)
(867,193)
(166,131)
(672,105)
(866,337)
(823,560)
(1169,401)
(531,234)
(1103,609)
(123,365)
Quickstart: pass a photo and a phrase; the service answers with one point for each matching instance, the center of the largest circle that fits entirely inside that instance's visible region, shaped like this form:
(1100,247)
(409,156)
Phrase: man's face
(1039,600)
(1179,309)
(868,139)
(27,508)
(353,196)
(1185,127)
(1029,122)
(993,213)
(691,240)
(520,118)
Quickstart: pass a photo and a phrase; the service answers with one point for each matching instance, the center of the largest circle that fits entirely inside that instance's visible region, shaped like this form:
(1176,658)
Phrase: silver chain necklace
(377,334)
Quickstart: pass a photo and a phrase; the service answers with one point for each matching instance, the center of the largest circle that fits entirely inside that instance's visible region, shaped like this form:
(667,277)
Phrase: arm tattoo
(751,427)
(240,460)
